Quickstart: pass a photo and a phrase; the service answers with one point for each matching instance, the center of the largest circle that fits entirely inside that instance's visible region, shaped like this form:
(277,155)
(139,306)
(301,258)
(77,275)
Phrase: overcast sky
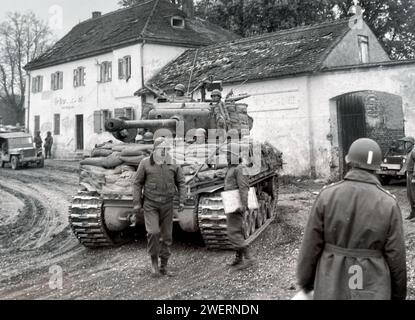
(73,11)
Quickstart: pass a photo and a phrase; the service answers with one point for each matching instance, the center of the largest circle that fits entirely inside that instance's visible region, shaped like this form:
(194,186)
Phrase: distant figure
(38,140)
(48,145)
(220,112)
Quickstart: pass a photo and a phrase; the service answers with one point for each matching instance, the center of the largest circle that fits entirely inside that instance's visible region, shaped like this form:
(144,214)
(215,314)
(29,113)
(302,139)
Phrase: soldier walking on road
(353,246)
(48,145)
(238,179)
(38,141)
(159,178)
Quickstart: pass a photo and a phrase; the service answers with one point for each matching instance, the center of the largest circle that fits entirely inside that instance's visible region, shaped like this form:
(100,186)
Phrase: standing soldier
(38,141)
(219,110)
(180,91)
(237,179)
(353,246)
(159,178)
(48,145)
(410,180)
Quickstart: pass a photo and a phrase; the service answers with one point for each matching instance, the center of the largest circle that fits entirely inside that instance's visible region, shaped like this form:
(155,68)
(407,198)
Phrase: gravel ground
(34,236)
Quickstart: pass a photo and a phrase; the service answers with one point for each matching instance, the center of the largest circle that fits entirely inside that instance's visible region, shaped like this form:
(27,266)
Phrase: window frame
(105,71)
(363,42)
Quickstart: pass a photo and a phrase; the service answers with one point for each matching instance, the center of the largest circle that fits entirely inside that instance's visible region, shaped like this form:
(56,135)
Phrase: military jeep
(394,164)
(17,148)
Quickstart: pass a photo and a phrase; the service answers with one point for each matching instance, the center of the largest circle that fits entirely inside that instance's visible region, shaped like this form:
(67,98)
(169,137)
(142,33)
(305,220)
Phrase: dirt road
(35,241)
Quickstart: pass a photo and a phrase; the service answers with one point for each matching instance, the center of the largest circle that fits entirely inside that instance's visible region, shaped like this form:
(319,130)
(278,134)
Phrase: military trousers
(410,190)
(158,219)
(235,232)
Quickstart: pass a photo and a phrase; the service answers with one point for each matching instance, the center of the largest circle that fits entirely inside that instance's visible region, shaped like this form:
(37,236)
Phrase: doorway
(79,132)
(351,124)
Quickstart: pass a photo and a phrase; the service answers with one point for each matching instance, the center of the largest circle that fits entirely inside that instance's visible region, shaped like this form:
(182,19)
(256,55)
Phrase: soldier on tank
(180,91)
(148,138)
(220,112)
(159,178)
(238,179)
(353,246)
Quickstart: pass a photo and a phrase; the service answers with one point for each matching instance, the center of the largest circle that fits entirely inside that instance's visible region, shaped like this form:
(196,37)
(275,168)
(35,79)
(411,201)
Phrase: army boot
(247,262)
(155,272)
(238,259)
(163,268)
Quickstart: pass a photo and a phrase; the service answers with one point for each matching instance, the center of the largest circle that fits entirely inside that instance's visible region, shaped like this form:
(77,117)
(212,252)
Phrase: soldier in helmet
(410,180)
(154,189)
(238,179)
(180,91)
(219,110)
(148,138)
(353,245)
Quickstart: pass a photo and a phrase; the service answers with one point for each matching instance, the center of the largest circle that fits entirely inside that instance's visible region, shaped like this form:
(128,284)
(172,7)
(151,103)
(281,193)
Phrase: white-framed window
(56,81)
(37,84)
(79,77)
(363,48)
(105,71)
(124,68)
(177,22)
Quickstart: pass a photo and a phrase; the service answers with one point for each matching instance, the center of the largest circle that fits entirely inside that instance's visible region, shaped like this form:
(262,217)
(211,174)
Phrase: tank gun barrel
(114,125)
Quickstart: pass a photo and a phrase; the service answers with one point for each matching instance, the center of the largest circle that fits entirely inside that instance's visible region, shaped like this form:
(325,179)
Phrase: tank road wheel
(15,163)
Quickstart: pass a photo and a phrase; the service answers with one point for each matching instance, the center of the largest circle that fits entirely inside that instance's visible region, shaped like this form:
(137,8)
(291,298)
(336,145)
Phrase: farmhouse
(91,74)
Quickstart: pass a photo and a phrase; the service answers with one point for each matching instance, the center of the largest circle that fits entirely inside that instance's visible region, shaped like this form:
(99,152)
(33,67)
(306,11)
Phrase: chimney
(188,8)
(96,14)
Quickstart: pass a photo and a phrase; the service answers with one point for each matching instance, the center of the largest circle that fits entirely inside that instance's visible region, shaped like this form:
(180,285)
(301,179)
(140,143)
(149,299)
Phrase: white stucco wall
(94,96)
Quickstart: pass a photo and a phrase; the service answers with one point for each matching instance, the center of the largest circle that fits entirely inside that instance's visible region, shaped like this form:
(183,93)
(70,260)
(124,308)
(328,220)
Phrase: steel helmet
(365,153)
(408,139)
(216,92)
(161,143)
(180,87)
(148,137)
(200,132)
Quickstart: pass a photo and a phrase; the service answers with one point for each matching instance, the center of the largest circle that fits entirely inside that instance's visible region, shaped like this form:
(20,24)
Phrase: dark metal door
(79,131)
(352,124)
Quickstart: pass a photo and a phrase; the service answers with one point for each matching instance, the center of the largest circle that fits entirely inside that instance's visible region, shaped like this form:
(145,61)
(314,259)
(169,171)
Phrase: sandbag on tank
(100,153)
(137,150)
(207,175)
(132,160)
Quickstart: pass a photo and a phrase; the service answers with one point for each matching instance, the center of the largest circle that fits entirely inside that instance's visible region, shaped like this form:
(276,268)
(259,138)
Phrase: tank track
(86,220)
(213,224)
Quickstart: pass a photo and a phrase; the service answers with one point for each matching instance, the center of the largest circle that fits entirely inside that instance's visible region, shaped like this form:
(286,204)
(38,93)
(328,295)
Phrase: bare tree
(23,37)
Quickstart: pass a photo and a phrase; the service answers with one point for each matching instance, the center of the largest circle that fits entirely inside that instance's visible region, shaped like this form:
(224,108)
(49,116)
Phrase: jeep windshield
(397,149)
(21,142)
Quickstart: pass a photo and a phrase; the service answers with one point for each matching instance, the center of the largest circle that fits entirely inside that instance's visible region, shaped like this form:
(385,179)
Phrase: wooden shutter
(129,113)
(97,121)
(60,77)
(120,68)
(52,81)
(40,83)
(57,124)
(34,80)
(75,78)
(109,71)
(82,80)
(37,123)
(127,61)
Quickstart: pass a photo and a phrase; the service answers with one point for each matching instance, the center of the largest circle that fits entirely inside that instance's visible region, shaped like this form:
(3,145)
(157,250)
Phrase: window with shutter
(37,123)
(97,121)
(57,124)
(40,83)
(109,71)
(52,81)
(119,112)
(34,80)
(129,113)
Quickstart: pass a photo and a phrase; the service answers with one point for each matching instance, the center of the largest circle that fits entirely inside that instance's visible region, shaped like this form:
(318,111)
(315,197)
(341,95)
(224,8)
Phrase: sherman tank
(101,212)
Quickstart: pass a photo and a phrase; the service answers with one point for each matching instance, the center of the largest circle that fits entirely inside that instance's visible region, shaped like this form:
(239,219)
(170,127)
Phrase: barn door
(79,131)
(352,124)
